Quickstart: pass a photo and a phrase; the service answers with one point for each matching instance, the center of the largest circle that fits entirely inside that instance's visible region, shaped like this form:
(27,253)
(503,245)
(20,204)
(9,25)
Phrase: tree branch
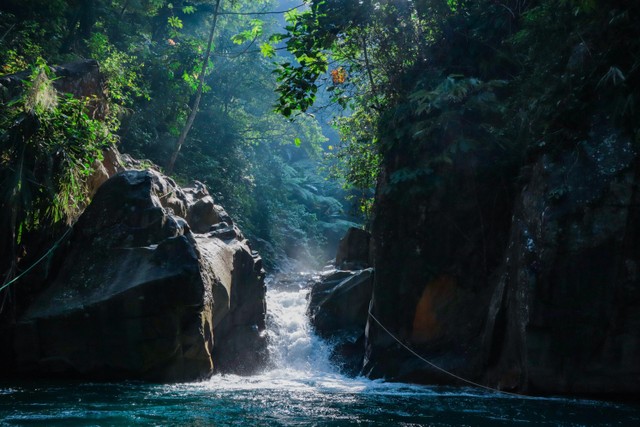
(274,12)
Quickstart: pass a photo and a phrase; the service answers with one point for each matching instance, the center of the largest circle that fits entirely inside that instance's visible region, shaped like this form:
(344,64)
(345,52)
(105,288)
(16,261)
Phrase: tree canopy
(451,77)
(438,78)
(266,170)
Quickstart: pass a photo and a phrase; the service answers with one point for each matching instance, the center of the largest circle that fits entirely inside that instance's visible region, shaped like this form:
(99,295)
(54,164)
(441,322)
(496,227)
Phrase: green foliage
(372,47)
(175,22)
(251,34)
(303,209)
(467,89)
(151,54)
(188,10)
(123,73)
(356,161)
(297,81)
(267,50)
(48,152)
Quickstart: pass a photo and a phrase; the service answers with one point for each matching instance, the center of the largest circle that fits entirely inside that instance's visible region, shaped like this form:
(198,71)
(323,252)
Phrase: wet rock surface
(354,250)
(338,310)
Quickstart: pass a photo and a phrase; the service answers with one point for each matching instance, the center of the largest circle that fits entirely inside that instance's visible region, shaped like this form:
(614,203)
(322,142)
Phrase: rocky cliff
(155,281)
(529,285)
(142,293)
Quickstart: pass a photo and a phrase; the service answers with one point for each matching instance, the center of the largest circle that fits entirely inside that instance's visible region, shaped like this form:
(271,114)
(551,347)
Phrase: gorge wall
(505,224)
(523,280)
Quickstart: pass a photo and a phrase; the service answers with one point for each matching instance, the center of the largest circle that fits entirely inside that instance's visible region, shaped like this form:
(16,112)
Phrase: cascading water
(299,360)
(300,388)
(293,346)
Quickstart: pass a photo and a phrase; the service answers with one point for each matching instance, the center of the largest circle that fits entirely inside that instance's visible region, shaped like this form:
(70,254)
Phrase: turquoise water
(331,402)
(300,388)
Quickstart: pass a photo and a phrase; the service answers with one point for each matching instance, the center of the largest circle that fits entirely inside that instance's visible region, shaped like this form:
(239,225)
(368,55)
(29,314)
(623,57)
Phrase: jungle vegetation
(451,77)
(441,77)
(166,63)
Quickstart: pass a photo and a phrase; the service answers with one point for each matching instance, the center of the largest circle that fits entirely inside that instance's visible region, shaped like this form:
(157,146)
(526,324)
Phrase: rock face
(564,314)
(338,303)
(531,287)
(82,79)
(140,296)
(354,249)
(338,310)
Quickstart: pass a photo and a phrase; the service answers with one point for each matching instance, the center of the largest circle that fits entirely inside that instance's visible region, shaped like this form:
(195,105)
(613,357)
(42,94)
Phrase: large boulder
(139,296)
(338,309)
(339,301)
(239,304)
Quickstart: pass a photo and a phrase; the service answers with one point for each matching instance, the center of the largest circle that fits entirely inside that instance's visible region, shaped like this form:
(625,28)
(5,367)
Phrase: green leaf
(241,37)
(292,16)
(268,51)
(175,22)
(276,38)
(297,141)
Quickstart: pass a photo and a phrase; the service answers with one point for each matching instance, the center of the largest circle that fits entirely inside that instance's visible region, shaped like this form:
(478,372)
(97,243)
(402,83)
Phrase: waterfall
(292,343)
(299,359)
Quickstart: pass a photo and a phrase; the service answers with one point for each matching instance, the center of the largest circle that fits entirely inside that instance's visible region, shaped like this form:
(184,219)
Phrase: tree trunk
(196,102)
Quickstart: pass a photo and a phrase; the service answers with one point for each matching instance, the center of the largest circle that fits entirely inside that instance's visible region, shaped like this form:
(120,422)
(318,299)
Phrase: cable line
(55,245)
(433,365)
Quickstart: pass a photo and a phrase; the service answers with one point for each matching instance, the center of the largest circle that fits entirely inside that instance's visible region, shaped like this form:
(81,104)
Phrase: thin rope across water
(19,276)
(434,366)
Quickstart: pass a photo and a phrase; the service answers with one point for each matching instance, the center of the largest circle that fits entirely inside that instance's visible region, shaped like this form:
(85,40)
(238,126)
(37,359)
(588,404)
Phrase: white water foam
(299,359)
(293,345)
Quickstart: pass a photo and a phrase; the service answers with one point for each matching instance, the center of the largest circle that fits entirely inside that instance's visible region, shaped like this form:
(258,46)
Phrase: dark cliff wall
(436,247)
(506,216)
(563,316)
(525,279)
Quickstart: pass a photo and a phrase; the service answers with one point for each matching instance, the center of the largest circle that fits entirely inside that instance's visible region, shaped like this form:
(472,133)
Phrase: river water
(300,388)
